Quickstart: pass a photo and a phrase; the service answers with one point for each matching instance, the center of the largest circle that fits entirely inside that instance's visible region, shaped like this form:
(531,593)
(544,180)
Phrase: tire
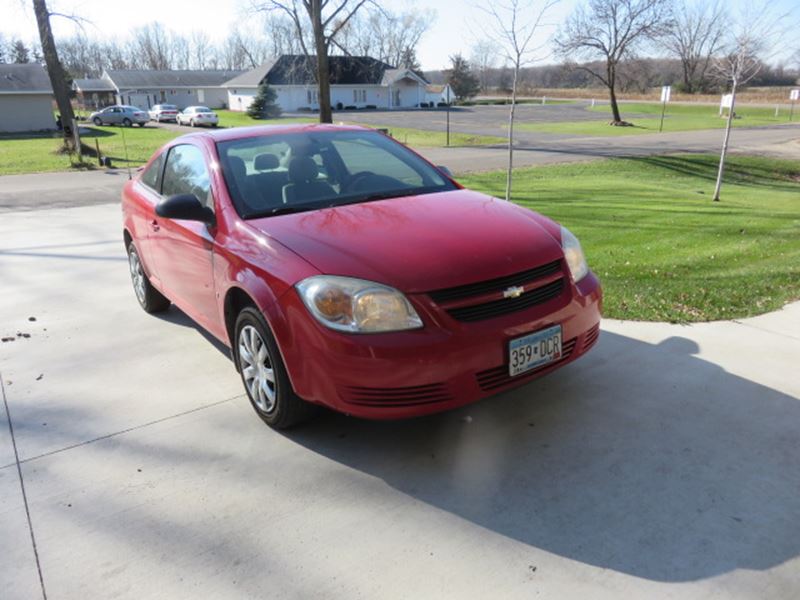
(150,299)
(268,389)
(97,121)
(127,122)
(213,125)
(141,124)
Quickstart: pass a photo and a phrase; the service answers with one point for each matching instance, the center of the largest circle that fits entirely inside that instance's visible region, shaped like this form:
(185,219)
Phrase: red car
(344,270)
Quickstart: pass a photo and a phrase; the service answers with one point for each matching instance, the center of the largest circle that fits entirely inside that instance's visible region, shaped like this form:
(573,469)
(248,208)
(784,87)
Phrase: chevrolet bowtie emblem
(514,291)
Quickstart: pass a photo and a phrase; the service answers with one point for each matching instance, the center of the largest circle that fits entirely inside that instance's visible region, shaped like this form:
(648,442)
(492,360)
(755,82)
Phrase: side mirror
(185,207)
(445,170)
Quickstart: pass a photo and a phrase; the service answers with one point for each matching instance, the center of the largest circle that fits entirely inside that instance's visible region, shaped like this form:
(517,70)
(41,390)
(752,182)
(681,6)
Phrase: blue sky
(455,29)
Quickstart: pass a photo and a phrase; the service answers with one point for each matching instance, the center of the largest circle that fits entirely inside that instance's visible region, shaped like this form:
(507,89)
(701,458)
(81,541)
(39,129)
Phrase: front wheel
(97,121)
(264,374)
(150,299)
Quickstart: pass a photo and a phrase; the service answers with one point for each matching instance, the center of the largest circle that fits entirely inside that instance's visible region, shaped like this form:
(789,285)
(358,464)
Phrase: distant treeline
(635,76)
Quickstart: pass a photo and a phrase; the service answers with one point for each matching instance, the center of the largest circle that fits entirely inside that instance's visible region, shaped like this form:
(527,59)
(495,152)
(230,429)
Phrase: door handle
(154,224)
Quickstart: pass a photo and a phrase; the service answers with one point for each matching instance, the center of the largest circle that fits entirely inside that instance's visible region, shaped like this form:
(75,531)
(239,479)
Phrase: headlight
(574,255)
(356,305)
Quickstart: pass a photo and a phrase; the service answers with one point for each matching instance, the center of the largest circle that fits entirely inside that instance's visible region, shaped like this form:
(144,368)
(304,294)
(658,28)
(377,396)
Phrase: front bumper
(442,366)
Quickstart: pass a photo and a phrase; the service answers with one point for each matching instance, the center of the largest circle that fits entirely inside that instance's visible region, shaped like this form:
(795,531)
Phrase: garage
(25,99)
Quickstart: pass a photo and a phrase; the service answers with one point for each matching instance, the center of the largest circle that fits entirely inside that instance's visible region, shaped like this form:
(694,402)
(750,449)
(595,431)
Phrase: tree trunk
(612,94)
(323,72)
(724,153)
(56,72)
(511,112)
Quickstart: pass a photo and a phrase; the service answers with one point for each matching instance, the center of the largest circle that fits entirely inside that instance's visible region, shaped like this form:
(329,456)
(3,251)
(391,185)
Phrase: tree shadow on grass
(704,166)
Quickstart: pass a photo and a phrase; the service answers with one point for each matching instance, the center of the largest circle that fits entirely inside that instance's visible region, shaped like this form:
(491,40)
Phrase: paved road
(52,190)
(661,465)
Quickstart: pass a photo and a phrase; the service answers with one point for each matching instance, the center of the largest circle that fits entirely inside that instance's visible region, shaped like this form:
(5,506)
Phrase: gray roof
(253,77)
(92,85)
(139,79)
(24,79)
(292,69)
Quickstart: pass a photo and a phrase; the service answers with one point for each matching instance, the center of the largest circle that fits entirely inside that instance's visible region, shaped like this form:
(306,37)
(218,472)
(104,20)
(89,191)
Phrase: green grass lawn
(38,153)
(646,117)
(663,250)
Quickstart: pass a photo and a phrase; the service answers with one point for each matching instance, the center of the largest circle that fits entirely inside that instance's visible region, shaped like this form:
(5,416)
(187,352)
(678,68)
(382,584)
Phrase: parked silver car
(197,115)
(120,114)
(163,112)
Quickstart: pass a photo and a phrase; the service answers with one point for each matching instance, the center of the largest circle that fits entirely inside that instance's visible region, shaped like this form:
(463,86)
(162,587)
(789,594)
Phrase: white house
(26,98)
(435,94)
(356,82)
(146,88)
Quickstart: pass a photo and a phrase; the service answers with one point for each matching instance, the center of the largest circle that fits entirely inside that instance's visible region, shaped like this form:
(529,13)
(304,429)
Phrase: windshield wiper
(281,210)
(382,196)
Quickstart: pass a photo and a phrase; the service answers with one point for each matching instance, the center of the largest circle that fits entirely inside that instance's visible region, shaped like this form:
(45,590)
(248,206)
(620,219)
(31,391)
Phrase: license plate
(534,350)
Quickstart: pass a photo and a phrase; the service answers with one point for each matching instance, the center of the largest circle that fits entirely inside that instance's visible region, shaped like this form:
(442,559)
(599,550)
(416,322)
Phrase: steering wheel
(373,181)
(358,179)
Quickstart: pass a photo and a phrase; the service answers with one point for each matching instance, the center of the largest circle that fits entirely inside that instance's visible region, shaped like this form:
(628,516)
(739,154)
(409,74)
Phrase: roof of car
(237,133)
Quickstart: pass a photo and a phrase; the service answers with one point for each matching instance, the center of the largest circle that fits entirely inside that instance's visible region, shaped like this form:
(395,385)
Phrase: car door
(143,213)
(183,251)
(116,115)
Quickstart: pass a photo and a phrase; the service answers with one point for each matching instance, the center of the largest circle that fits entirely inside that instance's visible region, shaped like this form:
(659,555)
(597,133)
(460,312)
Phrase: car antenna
(125,146)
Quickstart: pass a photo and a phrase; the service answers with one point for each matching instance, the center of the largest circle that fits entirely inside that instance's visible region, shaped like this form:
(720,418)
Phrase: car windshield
(294,172)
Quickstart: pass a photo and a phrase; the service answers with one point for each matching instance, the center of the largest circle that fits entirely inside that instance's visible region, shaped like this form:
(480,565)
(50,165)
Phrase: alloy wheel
(257,369)
(137,276)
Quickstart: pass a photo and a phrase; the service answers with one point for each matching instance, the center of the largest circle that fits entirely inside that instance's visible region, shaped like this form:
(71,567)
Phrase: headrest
(237,165)
(302,170)
(265,162)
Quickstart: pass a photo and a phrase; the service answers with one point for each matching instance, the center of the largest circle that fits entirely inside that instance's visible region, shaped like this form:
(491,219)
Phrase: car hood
(419,243)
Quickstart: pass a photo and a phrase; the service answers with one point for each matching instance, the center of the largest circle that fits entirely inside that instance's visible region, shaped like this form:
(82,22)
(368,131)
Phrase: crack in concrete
(116,433)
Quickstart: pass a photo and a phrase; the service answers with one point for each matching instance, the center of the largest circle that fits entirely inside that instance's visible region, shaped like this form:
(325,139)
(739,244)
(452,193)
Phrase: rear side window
(186,173)
(152,174)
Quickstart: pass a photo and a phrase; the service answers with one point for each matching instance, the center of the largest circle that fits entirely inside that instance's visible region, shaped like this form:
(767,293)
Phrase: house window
(360,96)
(313,96)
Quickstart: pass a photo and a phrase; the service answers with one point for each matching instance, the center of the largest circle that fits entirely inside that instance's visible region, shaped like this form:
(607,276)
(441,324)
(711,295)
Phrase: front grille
(399,396)
(590,337)
(492,379)
(504,306)
(494,285)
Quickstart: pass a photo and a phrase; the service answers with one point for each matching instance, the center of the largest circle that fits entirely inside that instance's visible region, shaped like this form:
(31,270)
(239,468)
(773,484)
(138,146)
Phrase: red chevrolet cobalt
(344,270)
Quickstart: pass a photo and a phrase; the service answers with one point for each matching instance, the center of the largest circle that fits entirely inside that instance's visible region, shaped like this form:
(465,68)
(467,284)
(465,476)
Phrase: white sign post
(794,96)
(726,102)
(665,94)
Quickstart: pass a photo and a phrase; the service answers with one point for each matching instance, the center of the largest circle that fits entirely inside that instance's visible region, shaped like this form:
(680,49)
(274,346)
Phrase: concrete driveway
(661,465)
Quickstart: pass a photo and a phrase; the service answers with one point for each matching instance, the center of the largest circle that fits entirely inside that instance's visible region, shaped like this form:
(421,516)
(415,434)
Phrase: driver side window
(186,173)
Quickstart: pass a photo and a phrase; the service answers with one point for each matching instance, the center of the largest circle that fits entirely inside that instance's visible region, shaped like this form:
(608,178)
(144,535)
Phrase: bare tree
(749,43)
(201,49)
(483,57)
(513,25)
(326,19)
(611,30)
(391,37)
(58,78)
(153,46)
(695,35)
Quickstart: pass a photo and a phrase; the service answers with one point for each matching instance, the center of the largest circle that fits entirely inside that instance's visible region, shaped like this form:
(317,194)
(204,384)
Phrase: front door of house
(396,98)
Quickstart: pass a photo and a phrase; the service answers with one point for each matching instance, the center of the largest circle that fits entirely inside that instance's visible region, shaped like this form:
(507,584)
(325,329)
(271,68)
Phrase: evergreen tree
(19,53)
(461,78)
(410,61)
(264,105)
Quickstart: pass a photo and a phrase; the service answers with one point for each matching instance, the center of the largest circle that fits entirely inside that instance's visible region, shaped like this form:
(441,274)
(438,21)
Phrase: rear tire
(150,299)
(264,374)
(127,122)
